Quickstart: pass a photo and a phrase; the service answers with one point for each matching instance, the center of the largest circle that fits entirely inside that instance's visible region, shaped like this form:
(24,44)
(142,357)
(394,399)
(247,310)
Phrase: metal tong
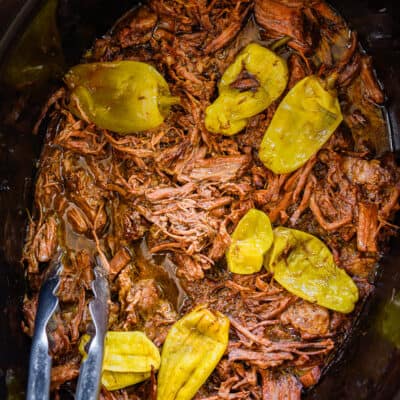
(88,387)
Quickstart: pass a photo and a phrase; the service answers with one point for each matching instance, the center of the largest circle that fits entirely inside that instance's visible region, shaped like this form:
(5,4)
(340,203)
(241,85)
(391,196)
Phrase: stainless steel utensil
(40,361)
(88,387)
(90,372)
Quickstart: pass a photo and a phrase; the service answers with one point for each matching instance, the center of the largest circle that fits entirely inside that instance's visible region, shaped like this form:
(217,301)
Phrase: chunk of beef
(309,319)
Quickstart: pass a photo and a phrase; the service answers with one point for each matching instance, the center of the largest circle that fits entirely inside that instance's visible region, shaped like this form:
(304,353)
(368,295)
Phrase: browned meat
(231,30)
(69,289)
(261,359)
(64,373)
(145,296)
(365,172)
(283,387)
(120,260)
(357,263)
(83,264)
(284,19)
(46,240)
(129,223)
(310,319)
(188,268)
(220,243)
(77,319)
(220,169)
(143,306)
(59,340)
(372,89)
(367,230)
(350,71)
(78,220)
(297,69)
(169,192)
(311,377)
(140,28)
(161,204)
(245,81)
(80,140)
(29,309)
(144,21)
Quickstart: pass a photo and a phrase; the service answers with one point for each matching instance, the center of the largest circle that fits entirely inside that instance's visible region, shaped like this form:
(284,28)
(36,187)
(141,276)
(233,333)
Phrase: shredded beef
(162,203)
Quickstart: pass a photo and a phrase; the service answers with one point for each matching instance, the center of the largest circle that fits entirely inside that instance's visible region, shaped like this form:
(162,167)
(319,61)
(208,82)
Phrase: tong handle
(89,380)
(40,361)
(90,373)
(39,369)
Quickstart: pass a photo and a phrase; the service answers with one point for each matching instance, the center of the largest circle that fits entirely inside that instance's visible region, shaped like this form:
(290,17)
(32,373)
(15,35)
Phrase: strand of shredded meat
(162,203)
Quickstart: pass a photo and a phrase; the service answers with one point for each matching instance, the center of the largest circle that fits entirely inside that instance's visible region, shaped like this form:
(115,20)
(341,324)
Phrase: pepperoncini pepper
(37,56)
(304,266)
(250,84)
(250,240)
(128,358)
(192,349)
(122,96)
(388,320)
(303,122)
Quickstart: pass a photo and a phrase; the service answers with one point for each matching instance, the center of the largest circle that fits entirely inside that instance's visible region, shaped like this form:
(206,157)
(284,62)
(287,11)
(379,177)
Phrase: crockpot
(367,366)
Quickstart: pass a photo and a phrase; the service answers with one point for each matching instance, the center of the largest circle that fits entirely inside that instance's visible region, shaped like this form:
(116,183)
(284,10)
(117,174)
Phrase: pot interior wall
(369,363)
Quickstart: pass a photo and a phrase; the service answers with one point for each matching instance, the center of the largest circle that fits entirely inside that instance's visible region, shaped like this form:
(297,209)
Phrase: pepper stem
(167,101)
(330,81)
(280,42)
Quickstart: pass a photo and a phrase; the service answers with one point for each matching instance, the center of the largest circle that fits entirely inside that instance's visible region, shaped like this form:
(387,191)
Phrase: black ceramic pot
(368,366)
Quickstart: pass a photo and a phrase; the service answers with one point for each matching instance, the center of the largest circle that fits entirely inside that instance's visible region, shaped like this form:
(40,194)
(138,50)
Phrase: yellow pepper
(37,56)
(304,266)
(128,358)
(122,96)
(130,352)
(191,351)
(267,75)
(119,380)
(388,320)
(303,122)
(250,241)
